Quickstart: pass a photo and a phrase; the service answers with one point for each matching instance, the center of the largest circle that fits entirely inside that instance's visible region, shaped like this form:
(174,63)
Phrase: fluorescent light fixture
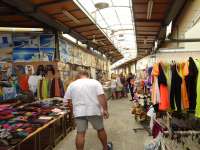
(169,29)
(149,9)
(82,45)
(69,37)
(13,29)
(155,45)
(70,16)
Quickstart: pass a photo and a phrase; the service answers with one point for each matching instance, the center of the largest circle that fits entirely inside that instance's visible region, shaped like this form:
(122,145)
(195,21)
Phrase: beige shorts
(82,123)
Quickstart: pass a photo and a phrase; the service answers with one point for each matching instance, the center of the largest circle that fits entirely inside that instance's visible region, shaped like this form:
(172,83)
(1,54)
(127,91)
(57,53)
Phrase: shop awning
(62,15)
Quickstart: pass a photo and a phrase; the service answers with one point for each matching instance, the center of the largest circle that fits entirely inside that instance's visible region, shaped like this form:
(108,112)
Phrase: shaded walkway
(119,128)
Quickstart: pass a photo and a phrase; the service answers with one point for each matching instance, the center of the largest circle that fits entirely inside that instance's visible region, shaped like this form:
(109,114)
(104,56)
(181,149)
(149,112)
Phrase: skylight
(116,21)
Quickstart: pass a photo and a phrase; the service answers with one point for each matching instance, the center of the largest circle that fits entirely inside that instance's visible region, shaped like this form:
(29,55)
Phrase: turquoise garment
(197,110)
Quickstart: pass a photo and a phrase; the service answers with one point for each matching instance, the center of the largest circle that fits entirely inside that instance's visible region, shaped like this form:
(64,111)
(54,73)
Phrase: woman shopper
(124,83)
(119,88)
(113,86)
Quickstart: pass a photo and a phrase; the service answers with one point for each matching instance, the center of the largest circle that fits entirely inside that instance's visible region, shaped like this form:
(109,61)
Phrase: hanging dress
(23,83)
(175,94)
(164,92)
(197,109)
(167,71)
(184,95)
(191,84)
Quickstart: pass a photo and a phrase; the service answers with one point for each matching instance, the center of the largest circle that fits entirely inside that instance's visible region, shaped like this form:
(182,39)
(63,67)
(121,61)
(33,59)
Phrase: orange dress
(184,95)
(164,98)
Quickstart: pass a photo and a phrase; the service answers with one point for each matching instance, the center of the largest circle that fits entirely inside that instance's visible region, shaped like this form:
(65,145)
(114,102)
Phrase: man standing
(89,105)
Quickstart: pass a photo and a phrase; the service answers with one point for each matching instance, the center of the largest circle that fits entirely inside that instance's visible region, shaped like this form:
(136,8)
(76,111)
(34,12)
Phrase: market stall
(175,105)
(32,79)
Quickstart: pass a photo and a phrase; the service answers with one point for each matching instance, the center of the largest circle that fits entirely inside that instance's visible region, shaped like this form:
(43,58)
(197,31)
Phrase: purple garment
(156,130)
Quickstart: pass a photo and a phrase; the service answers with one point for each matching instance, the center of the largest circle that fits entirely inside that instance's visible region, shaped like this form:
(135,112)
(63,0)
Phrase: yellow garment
(155,71)
(38,89)
(45,89)
(197,110)
(167,71)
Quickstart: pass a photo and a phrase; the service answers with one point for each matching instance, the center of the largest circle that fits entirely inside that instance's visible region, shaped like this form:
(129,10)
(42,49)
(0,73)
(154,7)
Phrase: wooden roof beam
(83,25)
(37,6)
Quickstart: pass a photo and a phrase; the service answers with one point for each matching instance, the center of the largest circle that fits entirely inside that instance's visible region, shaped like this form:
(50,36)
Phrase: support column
(57,52)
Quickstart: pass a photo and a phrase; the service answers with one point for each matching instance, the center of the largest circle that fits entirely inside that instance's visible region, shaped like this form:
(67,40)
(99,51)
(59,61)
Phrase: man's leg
(81,125)
(97,123)
(80,140)
(103,138)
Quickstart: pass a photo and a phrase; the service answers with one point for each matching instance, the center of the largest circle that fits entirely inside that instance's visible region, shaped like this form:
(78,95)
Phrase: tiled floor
(119,128)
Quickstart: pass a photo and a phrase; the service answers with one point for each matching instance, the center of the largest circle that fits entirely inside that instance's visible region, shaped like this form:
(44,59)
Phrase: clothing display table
(42,125)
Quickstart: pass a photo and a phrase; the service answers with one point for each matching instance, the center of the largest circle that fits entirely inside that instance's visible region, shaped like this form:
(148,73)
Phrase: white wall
(167,57)
(145,62)
(177,56)
(193,32)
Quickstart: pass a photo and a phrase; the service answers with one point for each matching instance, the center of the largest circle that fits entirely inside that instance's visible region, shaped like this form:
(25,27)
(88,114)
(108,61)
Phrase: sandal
(110,146)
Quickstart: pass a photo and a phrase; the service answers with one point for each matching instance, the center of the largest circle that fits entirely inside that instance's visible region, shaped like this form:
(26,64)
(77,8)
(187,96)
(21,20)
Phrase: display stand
(145,127)
(143,122)
(47,136)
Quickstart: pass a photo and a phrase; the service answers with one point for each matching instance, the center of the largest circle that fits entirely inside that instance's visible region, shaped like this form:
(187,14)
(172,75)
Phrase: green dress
(197,110)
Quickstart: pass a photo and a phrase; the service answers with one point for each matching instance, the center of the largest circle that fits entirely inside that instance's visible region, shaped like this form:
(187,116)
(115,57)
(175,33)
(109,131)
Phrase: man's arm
(103,102)
(67,97)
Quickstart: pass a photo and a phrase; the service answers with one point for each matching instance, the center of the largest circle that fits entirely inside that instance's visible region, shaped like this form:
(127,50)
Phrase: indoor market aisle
(119,127)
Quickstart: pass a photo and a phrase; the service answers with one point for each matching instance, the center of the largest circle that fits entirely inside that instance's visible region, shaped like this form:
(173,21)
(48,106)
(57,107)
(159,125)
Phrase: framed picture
(47,47)
(26,47)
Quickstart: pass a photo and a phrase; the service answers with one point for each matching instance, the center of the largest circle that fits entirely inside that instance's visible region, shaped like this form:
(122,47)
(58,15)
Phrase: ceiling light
(101,5)
(13,29)
(70,16)
(149,9)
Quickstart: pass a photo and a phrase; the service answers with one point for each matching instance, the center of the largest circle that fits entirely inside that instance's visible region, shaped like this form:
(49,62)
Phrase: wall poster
(6,45)
(26,47)
(47,47)
(64,51)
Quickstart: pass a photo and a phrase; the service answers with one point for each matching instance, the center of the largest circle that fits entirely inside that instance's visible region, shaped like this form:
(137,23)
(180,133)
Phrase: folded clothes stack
(16,123)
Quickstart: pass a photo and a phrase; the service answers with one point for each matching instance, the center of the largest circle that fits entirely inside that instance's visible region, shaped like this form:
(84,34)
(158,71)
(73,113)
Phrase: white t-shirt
(33,82)
(84,94)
